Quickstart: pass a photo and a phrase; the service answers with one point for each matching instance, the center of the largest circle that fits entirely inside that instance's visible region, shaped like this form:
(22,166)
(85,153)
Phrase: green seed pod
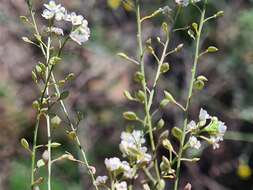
(165,27)
(212,49)
(25,144)
(55,121)
(36,105)
(140,95)
(195,27)
(164,103)
(202,78)
(54,60)
(71,135)
(165,67)
(160,124)
(220,13)
(167,144)
(128,95)
(177,133)
(169,96)
(64,95)
(138,77)
(131,116)
(164,135)
(34,77)
(70,76)
(199,84)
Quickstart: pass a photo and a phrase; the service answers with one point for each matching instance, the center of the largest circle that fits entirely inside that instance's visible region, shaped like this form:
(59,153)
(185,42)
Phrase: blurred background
(101,78)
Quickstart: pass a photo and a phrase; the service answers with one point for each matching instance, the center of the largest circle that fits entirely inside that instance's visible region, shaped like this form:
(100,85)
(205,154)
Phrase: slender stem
(144,86)
(34,148)
(73,129)
(194,69)
(49,164)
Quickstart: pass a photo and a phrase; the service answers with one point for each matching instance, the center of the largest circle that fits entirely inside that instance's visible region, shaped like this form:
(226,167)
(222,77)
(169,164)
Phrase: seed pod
(25,144)
(212,49)
(165,67)
(131,116)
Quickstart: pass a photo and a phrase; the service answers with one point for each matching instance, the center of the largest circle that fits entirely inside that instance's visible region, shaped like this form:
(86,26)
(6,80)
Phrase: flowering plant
(139,160)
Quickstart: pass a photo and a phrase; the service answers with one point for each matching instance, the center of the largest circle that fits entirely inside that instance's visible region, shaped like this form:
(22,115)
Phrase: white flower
(113,164)
(132,140)
(60,14)
(182,2)
(203,115)
(51,6)
(56,30)
(194,142)
(128,171)
(121,186)
(81,34)
(76,19)
(47,14)
(67,17)
(52,9)
(101,180)
(145,158)
(222,128)
(192,126)
(215,141)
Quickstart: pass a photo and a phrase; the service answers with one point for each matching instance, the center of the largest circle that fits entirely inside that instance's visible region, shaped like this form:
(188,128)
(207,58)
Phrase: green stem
(144,86)
(49,164)
(194,69)
(73,129)
(34,148)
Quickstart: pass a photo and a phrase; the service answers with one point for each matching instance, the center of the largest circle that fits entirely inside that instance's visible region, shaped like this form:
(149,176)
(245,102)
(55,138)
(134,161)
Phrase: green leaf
(177,133)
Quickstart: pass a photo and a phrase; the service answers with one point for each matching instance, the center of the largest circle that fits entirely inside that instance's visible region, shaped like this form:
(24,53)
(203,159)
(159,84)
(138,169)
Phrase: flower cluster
(131,146)
(80,31)
(215,129)
(185,3)
(116,168)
